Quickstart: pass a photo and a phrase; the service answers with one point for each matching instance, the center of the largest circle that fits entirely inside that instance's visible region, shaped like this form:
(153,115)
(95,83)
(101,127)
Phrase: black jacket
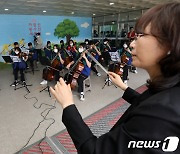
(150,119)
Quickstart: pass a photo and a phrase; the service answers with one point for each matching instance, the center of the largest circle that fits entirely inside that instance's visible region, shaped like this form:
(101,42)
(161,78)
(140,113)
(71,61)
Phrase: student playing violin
(18,66)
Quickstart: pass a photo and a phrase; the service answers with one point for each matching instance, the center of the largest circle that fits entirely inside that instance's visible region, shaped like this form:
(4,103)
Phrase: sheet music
(15,59)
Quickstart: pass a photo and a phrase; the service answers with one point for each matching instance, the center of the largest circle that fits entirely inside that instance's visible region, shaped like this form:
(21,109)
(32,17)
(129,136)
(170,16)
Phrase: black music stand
(108,82)
(7,59)
(47,89)
(12,59)
(47,86)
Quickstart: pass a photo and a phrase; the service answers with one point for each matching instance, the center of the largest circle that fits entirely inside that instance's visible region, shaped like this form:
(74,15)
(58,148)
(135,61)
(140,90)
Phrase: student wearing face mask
(72,48)
(105,48)
(18,66)
(86,41)
(85,72)
(16,44)
(59,57)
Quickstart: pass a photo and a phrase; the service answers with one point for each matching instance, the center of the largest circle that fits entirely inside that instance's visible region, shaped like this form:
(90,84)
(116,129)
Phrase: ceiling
(74,7)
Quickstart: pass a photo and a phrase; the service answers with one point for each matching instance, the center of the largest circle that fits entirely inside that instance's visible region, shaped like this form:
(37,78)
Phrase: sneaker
(135,71)
(15,84)
(43,82)
(82,97)
(98,74)
(125,82)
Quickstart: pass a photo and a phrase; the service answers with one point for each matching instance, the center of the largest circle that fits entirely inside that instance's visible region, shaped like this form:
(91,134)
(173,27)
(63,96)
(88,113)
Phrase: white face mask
(125,46)
(81,50)
(55,50)
(16,52)
(105,42)
(86,42)
(71,44)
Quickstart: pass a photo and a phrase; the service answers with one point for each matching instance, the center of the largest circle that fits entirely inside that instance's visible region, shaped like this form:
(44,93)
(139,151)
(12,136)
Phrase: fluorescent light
(44,11)
(111,3)
(6,9)
(94,14)
(72,12)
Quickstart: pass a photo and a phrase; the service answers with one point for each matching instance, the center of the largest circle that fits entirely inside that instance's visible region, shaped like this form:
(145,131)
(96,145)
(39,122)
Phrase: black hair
(48,42)
(164,20)
(29,44)
(105,40)
(82,44)
(16,43)
(62,41)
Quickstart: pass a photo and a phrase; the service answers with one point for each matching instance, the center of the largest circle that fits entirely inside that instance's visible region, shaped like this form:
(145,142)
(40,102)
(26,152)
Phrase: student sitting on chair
(32,56)
(59,58)
(85,72)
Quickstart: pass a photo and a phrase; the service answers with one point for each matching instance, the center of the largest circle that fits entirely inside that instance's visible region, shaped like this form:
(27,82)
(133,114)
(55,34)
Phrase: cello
(49,71)
(68,59)
(73,74)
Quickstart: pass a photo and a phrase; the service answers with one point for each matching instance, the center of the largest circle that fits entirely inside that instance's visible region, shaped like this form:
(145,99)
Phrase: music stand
(108,82)
(7,59)
(13,59)
(47,89)
(114,59)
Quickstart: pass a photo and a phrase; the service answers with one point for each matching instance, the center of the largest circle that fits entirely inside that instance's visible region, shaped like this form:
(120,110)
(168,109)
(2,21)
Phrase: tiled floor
(19,118)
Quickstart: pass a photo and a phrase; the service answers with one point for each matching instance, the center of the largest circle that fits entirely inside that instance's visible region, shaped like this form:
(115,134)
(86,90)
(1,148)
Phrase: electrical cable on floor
(48,109)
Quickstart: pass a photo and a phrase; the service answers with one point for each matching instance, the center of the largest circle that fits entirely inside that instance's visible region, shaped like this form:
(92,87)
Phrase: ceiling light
(94,14)
(111,3)
(6,9)
(133,7)
(32,1)
(72,12)
(113,22)
(44,11)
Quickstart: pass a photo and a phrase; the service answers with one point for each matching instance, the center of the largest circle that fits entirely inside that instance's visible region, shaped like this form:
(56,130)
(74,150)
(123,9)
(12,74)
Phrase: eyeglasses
(138,35)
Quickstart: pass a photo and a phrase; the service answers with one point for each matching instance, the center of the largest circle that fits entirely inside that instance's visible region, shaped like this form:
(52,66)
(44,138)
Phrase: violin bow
(97,62)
